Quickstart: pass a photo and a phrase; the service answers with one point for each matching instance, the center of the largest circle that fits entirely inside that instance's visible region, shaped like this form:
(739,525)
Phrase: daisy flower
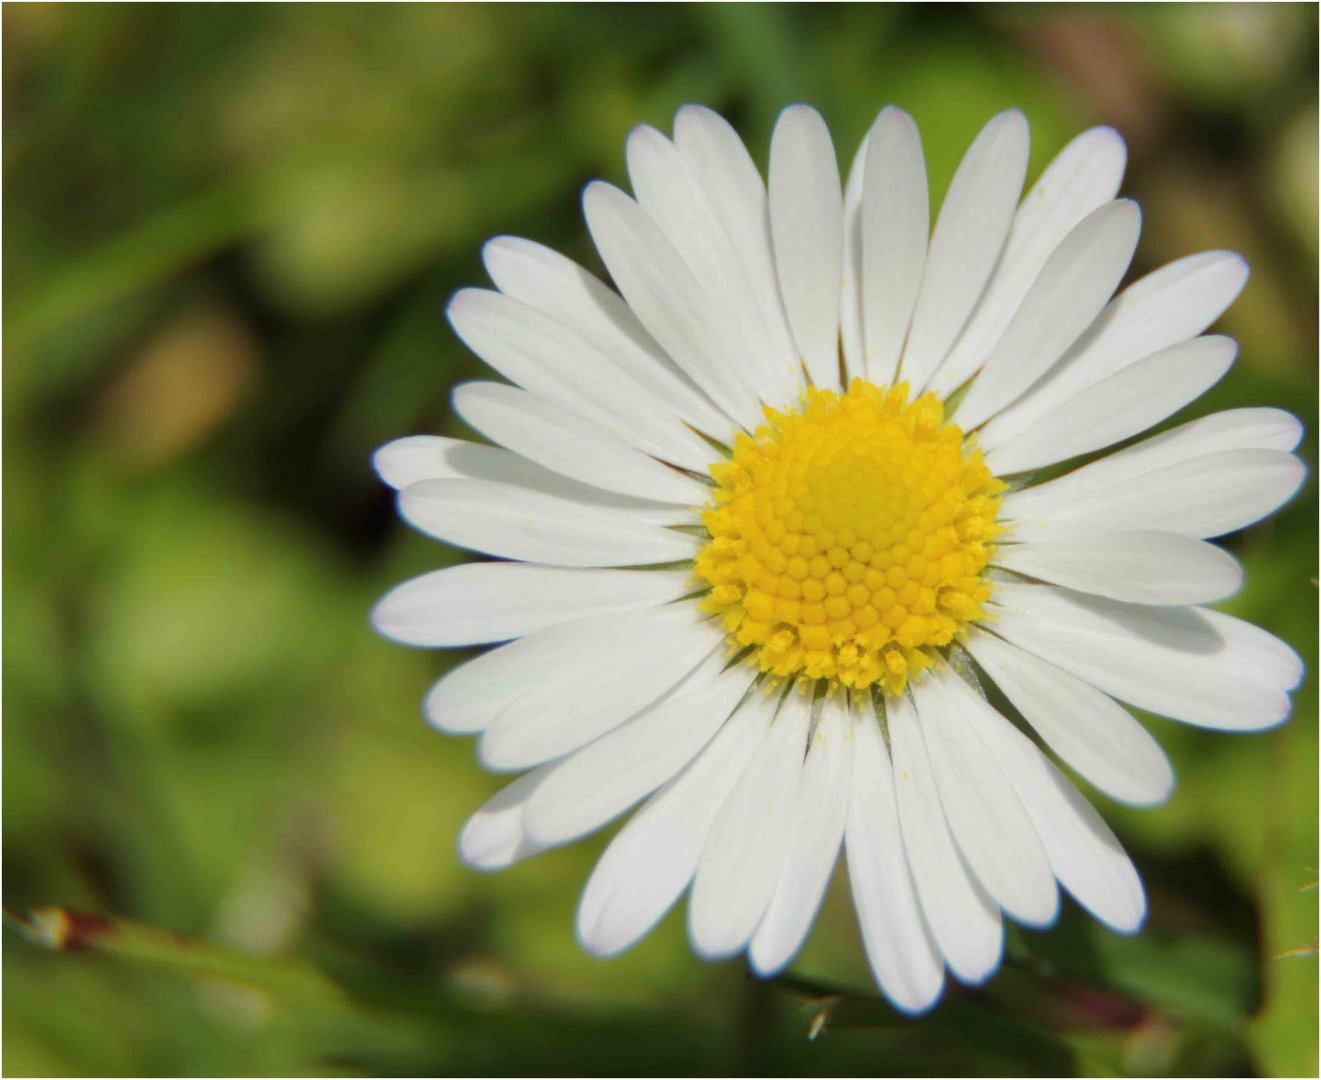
(766,532)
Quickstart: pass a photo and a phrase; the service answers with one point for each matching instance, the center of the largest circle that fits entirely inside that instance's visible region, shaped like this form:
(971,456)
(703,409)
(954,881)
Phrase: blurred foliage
(231,230)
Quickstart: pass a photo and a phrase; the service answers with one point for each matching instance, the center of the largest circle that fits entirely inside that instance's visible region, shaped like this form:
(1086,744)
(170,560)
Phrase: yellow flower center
(849,538)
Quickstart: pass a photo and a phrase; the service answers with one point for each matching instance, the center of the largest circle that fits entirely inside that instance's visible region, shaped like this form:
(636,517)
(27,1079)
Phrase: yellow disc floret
(849,538)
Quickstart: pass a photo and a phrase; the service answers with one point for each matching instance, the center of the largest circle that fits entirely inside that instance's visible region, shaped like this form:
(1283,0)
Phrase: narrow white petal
(411,460)
(493,838)
(896,219)
(604,779)
(1258,649)
(969,236)
(807,232)
(1083,852)
(563,442)
(749,841)
(816,833)
(546,358)
(1090,732)
(483,602)
(1235,429)
(667,188)
(1068,294)
(1115,408)
(468,698)
(522,523)
(900,949)
(630,659)
(1202,497)
(1256,428)
(728,176)
(1174,661)
(465,699)
(993,831)
(1141,567)
(666,297)
(850,295)
(963,919)
(1083,176)
(418,457)
(1173,304)
(652,860)
(557,286)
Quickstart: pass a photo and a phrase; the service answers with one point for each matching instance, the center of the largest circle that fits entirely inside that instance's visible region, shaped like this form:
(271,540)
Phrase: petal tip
(915,1001)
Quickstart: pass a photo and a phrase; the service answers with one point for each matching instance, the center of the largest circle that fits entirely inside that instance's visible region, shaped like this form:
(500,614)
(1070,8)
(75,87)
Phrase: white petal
(728,176)
(653,858)
(665,296)
(493,838)
(1083,852)
(668,190)
(1235,429)
(563,442)
(896,218)
(522,523)
(850,294)
(411,460)
(900,948)
(1091,733)
(992,830)
(963,919)
(749,840)
(1258,648)
(1113,409)
(1172,661)
(468,698)
(604,779)
(969,235)
(546,358)
(417,457)
(559,287)
(816,833)
(1202,497)
(1260,428)
(1083,176)
(1141,567)
(483,602)
(1068,294)
(807,233)
(604,670)
(1173,304)
(465,699)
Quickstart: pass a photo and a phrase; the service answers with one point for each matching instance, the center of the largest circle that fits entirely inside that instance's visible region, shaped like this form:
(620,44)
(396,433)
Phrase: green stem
(65,930)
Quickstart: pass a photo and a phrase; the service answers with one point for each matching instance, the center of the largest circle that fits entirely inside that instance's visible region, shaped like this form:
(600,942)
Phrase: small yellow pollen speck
(849,538)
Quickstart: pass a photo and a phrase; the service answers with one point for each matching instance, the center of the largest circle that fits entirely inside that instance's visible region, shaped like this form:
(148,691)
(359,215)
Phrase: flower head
(770,525)
(849,538)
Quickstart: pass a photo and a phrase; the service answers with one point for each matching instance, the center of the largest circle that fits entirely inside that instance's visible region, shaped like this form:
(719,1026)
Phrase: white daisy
(770,528)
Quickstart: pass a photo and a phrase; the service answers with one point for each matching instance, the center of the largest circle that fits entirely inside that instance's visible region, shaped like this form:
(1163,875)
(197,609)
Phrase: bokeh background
(230,234)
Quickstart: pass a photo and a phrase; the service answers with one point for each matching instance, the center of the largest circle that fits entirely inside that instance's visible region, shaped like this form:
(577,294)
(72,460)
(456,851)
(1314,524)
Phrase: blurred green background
(230,234)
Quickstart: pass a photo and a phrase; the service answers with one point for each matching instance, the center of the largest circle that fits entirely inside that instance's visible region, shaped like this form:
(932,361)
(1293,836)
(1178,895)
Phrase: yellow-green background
(230,232)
